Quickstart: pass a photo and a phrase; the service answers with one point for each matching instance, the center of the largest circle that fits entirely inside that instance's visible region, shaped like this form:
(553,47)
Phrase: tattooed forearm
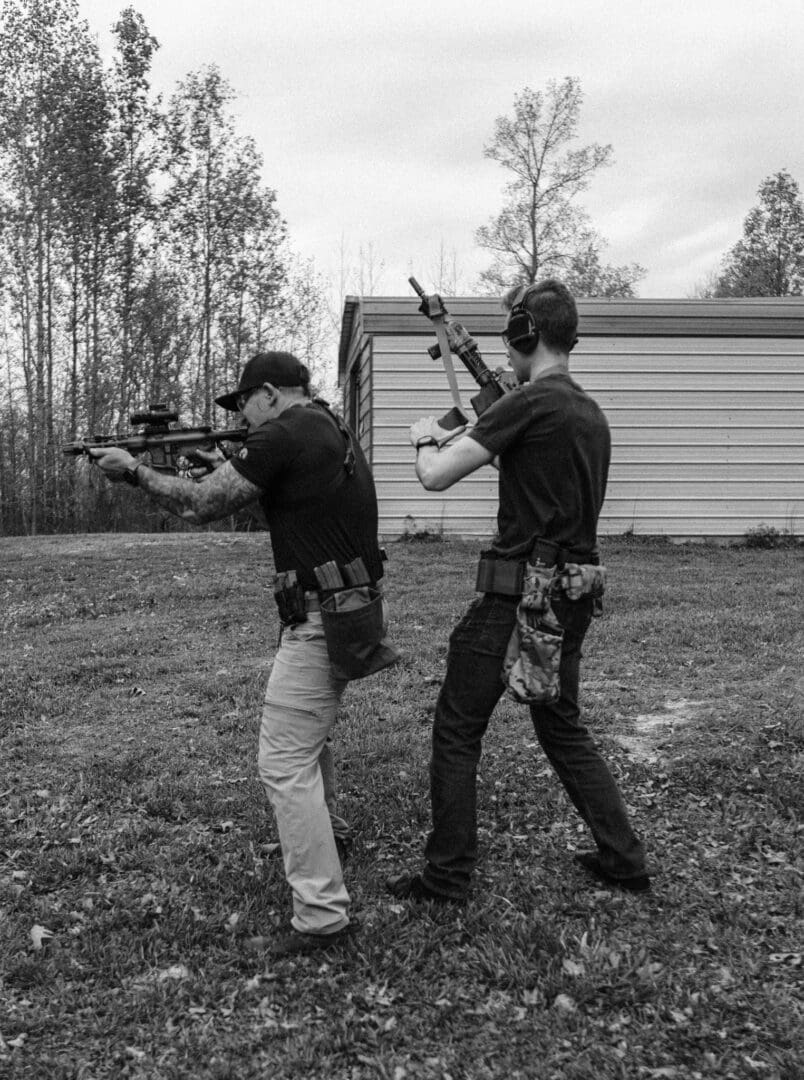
(221,493)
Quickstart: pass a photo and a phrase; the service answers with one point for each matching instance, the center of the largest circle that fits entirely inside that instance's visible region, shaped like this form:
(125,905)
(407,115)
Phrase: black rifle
(172,449)
(492,383)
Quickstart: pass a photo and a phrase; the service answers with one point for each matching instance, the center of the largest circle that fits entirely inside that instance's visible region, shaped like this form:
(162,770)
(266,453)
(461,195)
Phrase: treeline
(142,258)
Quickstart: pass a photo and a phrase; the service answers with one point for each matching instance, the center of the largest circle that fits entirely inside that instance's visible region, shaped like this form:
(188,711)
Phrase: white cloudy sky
(372,116)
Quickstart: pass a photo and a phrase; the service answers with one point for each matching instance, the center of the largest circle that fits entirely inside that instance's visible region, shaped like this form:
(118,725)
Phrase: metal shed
(705,399)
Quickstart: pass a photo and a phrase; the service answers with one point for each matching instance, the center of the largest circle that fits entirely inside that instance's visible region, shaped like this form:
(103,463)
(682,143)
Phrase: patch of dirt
(651,732)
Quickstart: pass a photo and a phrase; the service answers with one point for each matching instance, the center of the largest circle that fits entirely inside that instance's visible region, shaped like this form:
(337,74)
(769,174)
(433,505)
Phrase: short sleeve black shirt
(554,450)
(316,510)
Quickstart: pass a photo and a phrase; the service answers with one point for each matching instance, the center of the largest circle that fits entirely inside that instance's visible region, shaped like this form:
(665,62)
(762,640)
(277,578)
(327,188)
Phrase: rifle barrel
(138,444)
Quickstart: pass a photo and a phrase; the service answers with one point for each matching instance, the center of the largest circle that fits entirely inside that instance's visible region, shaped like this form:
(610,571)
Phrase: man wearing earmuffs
(540,583)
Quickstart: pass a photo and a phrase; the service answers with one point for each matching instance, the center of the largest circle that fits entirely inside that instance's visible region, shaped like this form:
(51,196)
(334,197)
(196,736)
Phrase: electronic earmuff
(521,332)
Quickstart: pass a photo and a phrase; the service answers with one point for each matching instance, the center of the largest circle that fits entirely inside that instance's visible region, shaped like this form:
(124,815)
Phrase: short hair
(304,380)
(553,308)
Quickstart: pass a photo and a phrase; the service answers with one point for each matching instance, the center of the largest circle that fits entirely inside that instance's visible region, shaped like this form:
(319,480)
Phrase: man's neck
(289,401)
(548,363)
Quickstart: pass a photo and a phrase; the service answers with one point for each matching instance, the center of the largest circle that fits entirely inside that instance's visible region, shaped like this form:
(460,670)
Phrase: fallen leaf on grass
(793,959)
(177,971)
(649,970)
(572,967)
(39,934)
(564,1003)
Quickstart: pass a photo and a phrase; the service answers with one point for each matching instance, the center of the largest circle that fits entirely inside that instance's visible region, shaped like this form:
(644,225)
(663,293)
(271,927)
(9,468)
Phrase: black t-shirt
(316,510)
(554,449)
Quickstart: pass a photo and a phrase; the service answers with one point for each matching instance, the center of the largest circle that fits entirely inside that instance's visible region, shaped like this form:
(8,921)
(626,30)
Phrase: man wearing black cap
(306,469)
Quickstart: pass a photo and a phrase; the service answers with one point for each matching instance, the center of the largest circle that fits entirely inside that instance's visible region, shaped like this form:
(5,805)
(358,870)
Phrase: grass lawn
(138,853)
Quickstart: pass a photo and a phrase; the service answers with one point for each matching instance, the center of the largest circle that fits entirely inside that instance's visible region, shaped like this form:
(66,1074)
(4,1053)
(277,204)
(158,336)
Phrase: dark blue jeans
(471,689)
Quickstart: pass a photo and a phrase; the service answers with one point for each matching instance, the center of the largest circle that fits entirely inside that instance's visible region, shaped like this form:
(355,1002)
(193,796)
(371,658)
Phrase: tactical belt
(506,576)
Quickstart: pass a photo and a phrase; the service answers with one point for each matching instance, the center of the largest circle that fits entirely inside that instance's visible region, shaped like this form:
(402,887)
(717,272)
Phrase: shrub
(768,536)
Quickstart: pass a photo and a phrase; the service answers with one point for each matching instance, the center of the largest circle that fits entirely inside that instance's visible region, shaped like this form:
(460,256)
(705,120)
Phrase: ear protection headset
(521,331)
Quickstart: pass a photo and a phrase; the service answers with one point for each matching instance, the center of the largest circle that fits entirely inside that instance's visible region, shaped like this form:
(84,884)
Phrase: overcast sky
(372,116)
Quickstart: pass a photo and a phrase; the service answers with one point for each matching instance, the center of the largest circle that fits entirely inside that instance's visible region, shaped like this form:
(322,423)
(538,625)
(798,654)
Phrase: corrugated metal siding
(408,384)
(707,431)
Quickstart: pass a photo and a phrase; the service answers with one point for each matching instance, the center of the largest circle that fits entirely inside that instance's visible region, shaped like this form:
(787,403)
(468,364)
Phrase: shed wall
(707,433)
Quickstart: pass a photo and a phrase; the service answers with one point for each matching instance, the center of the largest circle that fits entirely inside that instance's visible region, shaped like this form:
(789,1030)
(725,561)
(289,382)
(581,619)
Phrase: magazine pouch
(531,665)
(354,628)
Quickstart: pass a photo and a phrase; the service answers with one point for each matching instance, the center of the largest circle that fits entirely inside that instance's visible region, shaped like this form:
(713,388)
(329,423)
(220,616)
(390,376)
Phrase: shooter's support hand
(430,427)
(114,462)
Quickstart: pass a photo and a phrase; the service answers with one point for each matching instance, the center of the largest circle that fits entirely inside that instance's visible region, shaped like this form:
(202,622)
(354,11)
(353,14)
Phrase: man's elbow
(201,514)
(431,480)
(192,517)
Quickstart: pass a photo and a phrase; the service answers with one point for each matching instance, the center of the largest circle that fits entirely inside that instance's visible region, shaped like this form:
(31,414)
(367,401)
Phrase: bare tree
(444,271)
(706,287)
(540,229)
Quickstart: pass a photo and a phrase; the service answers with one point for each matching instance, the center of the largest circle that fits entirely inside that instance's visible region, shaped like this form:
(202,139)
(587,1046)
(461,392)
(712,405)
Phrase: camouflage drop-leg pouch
(533,657)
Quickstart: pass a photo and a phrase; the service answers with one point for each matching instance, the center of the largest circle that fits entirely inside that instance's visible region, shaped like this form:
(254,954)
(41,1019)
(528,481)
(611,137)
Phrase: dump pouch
(354,628)
(533,657)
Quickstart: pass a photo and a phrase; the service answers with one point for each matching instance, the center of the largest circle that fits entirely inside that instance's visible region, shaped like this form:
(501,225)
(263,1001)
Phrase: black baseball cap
(277,368)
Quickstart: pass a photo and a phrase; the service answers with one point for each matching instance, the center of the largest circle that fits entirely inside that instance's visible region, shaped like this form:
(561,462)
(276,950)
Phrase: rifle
(453,338)
(171,449)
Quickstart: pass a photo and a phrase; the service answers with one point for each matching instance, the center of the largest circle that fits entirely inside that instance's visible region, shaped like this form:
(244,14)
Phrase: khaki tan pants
(296,768)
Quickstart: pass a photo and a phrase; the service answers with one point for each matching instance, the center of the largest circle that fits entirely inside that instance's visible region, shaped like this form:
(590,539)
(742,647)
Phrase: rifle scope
(157,415)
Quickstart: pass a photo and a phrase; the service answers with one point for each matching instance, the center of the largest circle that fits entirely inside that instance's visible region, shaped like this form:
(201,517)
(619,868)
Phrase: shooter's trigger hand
(204,462)
(506,378)
(113,461)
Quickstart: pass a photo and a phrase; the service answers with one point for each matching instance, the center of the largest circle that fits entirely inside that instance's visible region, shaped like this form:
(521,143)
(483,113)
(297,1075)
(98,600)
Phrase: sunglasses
(241,399)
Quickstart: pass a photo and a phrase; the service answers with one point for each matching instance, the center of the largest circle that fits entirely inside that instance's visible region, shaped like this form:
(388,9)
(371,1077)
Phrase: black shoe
(412,887)
(591,862)
(292,943)
(344,844)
